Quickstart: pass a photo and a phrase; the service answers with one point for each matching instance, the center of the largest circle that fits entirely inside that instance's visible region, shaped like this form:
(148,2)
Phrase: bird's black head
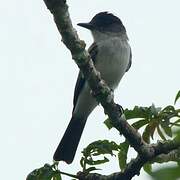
(104,21)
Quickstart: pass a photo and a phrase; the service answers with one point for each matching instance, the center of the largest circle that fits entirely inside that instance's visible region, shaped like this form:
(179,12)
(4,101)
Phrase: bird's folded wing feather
(93,50)
(81,80)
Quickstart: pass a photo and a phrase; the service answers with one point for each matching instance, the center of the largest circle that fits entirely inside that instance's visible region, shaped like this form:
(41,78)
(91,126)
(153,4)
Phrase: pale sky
(37,76)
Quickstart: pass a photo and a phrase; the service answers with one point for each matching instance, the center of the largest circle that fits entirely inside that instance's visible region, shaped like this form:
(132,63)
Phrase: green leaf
(167,129)
(82,162)
(169,109)
(57,176)
(122,155)
(177,97)
(149,131)
(45,173)
(88,170)
(148,168)
(146,135)
(137,112)
(97,162)
(142,112)
(97,148)
(101,147)
(140,123)
(160,133)
(108,123)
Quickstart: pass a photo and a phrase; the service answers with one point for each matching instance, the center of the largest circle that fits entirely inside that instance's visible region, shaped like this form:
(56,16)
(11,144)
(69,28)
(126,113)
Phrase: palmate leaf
(152,117)
(137,112)
(97,148)
(47,172)
(142,112)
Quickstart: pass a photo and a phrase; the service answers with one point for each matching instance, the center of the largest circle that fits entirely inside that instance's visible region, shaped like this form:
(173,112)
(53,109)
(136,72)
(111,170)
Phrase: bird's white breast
(112,60)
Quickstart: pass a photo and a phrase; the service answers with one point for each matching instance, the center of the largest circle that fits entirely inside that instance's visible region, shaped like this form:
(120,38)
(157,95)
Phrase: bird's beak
(86,25)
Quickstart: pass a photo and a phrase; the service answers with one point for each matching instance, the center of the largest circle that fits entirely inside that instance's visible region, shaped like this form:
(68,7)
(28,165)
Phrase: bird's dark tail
(67,147)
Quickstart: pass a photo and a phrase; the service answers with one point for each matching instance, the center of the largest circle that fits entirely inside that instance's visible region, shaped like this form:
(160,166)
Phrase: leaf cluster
(47,172)
(152,120)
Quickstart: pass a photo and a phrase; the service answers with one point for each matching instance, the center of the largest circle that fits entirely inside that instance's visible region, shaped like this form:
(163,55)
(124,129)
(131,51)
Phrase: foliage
(47,172)
(101,147)
(151,120)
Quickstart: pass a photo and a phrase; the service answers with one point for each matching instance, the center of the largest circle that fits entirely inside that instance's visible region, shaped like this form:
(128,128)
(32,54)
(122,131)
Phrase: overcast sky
(37,76)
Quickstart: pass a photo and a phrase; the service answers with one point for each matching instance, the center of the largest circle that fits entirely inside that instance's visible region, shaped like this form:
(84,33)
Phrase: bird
(112,57)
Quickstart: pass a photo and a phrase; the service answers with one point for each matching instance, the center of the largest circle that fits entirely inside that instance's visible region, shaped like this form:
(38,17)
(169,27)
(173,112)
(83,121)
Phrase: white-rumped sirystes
(111,54)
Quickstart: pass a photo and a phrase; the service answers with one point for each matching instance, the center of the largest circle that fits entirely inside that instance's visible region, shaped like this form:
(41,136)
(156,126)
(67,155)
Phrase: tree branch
(102,92)
(104,95)
(173,155)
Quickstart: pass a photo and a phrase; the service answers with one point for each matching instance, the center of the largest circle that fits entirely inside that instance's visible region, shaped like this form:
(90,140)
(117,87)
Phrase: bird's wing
(93,50)
(81,80)
(130,61)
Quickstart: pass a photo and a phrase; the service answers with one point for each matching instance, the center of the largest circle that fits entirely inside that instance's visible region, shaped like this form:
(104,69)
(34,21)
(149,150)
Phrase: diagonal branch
(102,92)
